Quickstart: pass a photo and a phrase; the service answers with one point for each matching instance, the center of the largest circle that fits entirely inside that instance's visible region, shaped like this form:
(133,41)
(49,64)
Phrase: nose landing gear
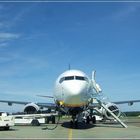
(74,122)
(90,119)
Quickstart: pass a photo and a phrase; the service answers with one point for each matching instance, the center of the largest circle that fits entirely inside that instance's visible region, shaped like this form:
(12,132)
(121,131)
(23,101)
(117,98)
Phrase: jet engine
(31,108)
(113,108)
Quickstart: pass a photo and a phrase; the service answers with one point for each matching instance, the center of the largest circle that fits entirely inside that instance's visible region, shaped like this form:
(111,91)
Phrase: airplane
(77,95)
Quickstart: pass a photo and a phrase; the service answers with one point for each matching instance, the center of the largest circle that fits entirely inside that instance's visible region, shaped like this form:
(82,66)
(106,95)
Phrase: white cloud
(19,16)
(5,38)
(8,36)
(3,45)
(14,63)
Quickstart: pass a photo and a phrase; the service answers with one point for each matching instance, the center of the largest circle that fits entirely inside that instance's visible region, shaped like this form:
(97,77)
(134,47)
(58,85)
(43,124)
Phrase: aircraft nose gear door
(111,113)
(62,95)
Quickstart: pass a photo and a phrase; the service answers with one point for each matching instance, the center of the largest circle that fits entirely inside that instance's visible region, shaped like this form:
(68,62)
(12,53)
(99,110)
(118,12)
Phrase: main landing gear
(88,120)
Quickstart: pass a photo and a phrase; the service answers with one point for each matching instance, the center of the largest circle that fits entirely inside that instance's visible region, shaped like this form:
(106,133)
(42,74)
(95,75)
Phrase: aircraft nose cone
(74,93)
(75,89)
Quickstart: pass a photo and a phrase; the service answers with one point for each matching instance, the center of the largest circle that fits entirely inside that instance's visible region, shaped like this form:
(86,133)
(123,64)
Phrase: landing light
(61,102)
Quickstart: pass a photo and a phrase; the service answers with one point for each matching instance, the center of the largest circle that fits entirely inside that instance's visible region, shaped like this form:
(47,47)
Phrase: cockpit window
(61,80)
(73,78)
(66,78)
(79,78)
(69,78)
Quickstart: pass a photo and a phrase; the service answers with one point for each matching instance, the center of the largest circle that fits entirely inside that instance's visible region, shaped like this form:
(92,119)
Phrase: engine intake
(31,108)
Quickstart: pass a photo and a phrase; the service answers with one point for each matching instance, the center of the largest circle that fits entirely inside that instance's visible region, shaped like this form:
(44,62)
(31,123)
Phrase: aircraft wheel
(76,124)
(47,120)
(94,120)
(87,120)
(71,122)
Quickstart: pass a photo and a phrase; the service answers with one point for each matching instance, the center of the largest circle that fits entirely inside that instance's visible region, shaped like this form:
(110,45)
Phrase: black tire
(6,128)
(53,119)
(47,120)
(94,120)
(87,120)
(35,122)
(75,124)
(71,123)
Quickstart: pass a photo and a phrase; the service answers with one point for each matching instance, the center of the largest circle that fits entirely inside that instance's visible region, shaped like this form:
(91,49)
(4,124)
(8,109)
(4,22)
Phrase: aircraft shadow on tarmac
(11,129)
(80,125)
(88,126)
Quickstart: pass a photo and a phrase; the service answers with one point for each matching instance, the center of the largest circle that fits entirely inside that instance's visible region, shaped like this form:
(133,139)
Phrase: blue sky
(39,40)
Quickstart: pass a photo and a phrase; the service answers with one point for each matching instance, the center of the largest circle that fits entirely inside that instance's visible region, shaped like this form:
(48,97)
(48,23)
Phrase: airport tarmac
(65,131)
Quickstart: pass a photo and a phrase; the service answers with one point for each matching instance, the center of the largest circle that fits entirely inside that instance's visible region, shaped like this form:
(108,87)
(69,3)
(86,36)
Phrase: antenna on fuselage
(69,67)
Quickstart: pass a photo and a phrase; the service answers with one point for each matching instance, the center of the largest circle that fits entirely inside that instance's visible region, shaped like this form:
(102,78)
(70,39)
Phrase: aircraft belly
(74,101)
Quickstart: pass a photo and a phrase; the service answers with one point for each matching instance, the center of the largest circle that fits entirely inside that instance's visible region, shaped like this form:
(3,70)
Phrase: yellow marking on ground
(70,134)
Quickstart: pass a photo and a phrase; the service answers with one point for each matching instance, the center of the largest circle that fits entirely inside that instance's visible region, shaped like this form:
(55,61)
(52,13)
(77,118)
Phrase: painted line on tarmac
(70,134)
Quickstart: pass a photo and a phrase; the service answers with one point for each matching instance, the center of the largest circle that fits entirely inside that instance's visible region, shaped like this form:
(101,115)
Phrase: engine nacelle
(113,108)
(31,108)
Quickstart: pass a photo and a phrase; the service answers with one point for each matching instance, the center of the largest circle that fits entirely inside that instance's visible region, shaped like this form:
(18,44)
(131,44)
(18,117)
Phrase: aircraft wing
(10,103)
(130,102)
(14,102)
(53,105)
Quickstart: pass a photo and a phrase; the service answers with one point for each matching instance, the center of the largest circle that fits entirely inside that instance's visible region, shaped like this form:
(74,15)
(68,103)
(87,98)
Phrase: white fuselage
(72,89)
